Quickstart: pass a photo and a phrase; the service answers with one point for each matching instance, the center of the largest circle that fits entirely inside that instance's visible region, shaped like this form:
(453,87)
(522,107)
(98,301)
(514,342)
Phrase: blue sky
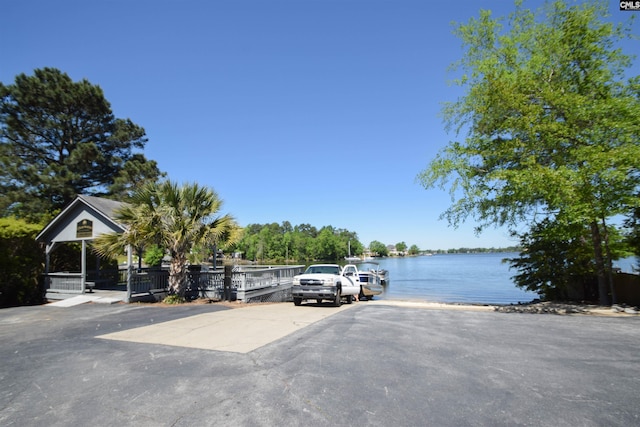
(308,111)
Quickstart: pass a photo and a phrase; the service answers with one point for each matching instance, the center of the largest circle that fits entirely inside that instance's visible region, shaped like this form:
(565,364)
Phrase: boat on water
(370,280)
(350,258)
(383,275)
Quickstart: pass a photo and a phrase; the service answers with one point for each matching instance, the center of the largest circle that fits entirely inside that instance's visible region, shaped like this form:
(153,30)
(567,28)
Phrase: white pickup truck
(326,282)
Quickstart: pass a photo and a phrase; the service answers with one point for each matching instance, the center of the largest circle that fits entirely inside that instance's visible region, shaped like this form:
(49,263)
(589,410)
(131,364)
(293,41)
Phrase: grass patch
(174,299)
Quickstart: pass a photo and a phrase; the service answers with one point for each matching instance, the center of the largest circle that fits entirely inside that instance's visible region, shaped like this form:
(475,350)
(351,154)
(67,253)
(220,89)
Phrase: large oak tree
(59,138)
(550,124)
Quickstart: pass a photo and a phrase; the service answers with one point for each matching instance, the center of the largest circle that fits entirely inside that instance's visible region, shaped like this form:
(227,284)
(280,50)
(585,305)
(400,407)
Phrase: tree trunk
(178,275)
(603,294)
(609,262)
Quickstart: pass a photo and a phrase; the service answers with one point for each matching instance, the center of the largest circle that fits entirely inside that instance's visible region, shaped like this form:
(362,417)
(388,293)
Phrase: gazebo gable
(83,219)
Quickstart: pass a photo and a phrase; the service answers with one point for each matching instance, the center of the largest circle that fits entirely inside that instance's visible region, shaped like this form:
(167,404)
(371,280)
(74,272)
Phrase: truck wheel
(297,301)
(338,300)
(349,299)
(319,300)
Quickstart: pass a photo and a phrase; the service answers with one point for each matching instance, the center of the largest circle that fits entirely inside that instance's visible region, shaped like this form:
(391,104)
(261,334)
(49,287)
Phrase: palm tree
(175,218)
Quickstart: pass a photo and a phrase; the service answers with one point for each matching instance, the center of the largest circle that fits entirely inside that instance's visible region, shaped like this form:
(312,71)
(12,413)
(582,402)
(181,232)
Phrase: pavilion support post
(47,260)
(47,264)
(129,272)
(83,266)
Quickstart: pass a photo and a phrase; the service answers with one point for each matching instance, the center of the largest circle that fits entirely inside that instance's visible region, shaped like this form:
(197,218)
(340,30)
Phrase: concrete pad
(239,330)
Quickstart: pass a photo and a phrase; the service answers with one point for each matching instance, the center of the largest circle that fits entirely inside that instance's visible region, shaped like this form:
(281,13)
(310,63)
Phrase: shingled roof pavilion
(84,219)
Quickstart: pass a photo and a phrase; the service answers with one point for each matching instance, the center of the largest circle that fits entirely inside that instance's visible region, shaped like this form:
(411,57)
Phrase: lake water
(464,278)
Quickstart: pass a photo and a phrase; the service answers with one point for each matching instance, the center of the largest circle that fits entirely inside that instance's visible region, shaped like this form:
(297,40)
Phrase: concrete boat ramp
(99,297)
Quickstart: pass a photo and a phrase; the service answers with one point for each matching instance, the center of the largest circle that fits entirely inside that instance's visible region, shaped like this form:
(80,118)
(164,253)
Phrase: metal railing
(71,282)
(64,282)
(247,283)
(258,283)
(147,281)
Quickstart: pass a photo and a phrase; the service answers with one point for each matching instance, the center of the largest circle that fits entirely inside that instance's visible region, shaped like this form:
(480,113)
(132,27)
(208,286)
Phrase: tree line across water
(274,243)
(304,242)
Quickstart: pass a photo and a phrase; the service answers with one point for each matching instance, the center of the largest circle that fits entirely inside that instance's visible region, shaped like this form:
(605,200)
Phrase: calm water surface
(465,278)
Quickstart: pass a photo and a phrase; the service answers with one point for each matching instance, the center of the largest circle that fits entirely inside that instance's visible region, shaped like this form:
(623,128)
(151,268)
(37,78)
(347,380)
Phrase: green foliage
(135,173)
(555,256)
(551,124)
(174,299)
(178,219)
(22,263)
(401,247)
(66,257)
(199,254)
(378,248)
(280,242)
(633,236)
(414,250)
(59,138)
(153,256)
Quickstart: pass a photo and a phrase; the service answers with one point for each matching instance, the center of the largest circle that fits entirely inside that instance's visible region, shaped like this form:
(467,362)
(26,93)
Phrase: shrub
(153,256)
(174,299)
(22,263)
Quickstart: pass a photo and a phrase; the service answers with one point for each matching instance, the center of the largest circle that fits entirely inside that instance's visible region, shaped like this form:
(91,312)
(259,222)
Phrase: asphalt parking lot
(366,364)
